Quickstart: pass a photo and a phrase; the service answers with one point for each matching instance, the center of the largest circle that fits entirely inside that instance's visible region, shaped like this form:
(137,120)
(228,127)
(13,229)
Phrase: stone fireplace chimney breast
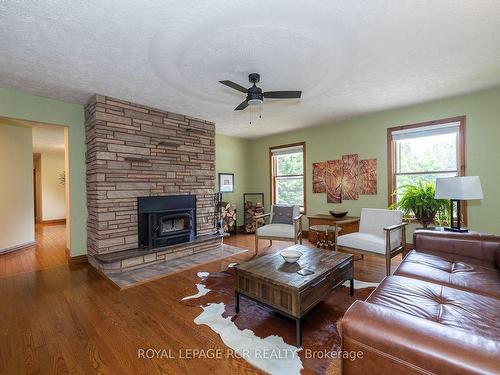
(136,152)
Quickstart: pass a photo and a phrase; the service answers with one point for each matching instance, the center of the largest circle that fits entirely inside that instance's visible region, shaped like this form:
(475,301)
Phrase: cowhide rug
(265,338)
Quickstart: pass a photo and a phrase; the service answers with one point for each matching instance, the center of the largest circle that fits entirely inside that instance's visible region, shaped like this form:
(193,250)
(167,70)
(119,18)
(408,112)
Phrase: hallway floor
(48,252)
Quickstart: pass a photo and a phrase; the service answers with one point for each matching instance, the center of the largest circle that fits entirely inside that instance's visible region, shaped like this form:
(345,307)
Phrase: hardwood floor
(48,252)
(61,320)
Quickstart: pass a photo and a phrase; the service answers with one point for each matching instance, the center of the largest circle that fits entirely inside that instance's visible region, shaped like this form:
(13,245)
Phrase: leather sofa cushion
(394,342)
(454,308)
(483,247)
(452,270)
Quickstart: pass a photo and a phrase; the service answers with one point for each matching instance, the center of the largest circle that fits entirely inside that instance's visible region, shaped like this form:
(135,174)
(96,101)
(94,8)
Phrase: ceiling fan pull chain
(260,110)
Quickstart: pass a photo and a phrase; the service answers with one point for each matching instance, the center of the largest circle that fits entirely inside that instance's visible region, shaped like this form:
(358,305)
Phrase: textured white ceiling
(348,57)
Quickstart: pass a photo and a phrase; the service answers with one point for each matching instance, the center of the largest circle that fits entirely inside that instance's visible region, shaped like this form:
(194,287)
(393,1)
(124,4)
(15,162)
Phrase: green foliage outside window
(427,154)
(419,161)
(289,179)
(289,164)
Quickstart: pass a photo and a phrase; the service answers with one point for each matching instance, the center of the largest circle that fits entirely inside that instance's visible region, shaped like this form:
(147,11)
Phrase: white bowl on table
(290,255)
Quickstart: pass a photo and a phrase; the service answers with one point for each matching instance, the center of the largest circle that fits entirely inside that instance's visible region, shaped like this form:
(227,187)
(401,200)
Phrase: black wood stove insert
(166,220)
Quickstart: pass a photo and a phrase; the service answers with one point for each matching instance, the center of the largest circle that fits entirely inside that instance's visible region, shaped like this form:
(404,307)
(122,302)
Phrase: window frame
(272,171)
(391,154)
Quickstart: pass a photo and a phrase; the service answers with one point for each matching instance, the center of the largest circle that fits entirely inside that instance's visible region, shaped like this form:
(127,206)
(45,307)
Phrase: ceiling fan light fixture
(255,102)
(255,95)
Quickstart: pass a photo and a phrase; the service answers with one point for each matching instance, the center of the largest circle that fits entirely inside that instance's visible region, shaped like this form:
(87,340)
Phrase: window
(425,151)
(287,165)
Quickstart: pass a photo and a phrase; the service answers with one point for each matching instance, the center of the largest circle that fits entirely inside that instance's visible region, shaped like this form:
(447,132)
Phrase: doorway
(33,219)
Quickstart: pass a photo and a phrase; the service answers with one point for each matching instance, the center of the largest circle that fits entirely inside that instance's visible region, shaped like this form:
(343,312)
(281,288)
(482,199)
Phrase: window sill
(412,220)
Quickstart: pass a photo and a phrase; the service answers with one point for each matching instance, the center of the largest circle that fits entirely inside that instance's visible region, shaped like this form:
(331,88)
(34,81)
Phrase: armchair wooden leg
(388,266)
(270,242)
(256,244)
(300,239)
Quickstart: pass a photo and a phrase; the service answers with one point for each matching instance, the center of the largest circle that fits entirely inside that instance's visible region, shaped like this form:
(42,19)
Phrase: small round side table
(326,235)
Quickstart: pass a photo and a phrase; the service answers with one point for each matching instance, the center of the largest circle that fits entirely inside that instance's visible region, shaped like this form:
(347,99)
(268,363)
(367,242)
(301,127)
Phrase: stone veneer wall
(133,151)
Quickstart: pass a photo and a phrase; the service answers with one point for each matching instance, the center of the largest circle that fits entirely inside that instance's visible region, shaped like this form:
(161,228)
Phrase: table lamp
(457,189)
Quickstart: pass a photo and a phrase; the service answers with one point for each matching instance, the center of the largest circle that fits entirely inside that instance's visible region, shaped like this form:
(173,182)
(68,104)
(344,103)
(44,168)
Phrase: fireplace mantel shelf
(132,253)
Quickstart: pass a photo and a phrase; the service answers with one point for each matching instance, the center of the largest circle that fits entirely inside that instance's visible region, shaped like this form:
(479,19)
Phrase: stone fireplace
(150,184)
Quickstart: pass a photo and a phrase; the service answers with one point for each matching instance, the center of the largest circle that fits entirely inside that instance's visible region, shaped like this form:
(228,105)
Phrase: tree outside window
(423,152)
(287,175)
(426,158)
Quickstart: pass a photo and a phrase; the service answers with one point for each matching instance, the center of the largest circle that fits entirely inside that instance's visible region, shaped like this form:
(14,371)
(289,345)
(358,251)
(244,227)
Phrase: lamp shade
(459,188)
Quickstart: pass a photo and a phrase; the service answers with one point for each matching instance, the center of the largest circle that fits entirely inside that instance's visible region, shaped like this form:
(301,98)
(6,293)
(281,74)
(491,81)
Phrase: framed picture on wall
(226,182)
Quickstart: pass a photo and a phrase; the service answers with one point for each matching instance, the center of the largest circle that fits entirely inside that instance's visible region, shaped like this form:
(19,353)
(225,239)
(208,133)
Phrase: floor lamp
(458,189)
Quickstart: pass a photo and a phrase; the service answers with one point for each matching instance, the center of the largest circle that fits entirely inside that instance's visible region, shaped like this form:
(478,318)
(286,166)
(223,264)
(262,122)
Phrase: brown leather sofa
(438,314)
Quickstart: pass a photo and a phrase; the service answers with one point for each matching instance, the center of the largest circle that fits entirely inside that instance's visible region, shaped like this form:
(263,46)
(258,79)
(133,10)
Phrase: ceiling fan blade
(242,105)
(282,94)
(234,85)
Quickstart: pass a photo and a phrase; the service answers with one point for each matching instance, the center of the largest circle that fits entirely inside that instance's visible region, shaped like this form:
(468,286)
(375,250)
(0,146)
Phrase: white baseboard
(17,247)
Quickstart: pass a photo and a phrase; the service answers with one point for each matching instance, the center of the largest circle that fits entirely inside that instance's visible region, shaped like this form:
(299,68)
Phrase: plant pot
(426,219)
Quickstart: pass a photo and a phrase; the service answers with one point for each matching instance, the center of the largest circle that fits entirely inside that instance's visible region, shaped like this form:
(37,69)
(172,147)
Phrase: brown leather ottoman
(410,326)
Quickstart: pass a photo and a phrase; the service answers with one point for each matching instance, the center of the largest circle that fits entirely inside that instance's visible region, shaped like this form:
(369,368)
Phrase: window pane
(426,154)
(290,190)
(289,164)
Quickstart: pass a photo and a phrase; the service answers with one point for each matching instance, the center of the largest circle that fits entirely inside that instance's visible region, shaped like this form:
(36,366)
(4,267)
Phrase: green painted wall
(367,136)
(232,157)
(24,106)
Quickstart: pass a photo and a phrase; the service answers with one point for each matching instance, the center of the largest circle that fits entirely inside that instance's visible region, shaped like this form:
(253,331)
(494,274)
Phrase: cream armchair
(381,232)
(285,224)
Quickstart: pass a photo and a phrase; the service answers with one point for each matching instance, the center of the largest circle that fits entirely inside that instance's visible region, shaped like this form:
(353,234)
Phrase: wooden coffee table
(272,282)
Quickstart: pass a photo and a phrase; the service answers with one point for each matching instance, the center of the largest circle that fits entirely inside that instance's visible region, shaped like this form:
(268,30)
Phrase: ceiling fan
(255,96)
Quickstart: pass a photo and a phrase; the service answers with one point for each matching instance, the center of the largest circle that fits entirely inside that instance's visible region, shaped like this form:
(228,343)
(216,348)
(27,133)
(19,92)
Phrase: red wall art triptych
(346,178)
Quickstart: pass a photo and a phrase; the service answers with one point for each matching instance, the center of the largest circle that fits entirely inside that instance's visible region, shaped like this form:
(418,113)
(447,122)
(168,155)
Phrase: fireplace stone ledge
(127,260)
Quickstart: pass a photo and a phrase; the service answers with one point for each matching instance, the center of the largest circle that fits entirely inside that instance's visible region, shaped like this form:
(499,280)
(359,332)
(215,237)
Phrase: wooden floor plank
(49,251)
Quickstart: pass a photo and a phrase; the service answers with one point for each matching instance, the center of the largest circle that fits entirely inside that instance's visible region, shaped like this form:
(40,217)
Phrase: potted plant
(418,201)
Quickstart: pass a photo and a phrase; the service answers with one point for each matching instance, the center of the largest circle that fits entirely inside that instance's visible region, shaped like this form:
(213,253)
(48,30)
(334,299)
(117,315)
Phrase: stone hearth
(136,151)
(127,260)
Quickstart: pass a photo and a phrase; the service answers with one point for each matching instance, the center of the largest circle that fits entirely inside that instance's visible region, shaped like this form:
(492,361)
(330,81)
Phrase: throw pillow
(282,214)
